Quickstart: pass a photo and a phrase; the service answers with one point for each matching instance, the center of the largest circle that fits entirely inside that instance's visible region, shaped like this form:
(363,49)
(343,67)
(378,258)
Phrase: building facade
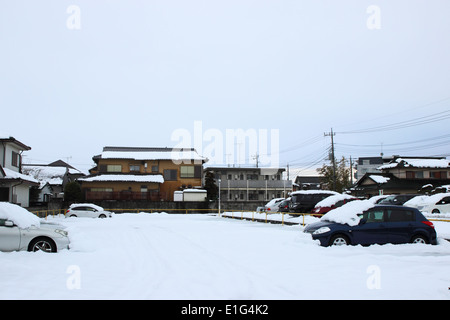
(14,185)
(133,173)
(251,183)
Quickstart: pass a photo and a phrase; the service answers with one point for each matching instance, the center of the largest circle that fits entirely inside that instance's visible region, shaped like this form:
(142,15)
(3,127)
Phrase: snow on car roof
(348,213)
(331,200)
(20,216)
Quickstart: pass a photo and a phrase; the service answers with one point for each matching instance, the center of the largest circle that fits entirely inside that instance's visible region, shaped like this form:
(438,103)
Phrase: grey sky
(137,71)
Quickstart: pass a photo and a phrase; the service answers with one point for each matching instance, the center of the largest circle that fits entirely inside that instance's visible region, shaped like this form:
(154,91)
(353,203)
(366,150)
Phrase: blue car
(378,225)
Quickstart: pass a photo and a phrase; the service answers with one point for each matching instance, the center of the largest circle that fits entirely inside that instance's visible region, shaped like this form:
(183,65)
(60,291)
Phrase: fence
(258,216)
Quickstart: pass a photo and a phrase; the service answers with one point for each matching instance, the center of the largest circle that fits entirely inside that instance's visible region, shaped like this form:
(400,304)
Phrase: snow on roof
(151,154)
(426,200)
(20,216)
(10,174)
(417,163)
(125,177)
(52,175)
(379,179)
(348,213)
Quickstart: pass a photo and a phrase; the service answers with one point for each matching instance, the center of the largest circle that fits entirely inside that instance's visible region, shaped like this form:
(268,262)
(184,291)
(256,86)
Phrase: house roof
(9,174)
(417,163)
(157,178)
(6,138)
(149,153)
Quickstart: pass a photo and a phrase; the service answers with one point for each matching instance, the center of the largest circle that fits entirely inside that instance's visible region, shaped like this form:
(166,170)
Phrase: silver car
(48,237)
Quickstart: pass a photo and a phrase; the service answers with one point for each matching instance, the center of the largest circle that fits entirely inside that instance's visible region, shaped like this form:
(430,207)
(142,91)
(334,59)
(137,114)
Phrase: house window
(438,174)
(170,174)
(135,168)
(15,160)
(113,168)
(186,172)
(190,171)
(155,169)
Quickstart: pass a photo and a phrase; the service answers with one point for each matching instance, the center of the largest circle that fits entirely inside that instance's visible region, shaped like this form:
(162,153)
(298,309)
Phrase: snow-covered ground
(176,256)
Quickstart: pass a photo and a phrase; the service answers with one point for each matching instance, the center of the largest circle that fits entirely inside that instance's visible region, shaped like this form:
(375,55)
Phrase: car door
(372,228)
(9,236)
(400,224)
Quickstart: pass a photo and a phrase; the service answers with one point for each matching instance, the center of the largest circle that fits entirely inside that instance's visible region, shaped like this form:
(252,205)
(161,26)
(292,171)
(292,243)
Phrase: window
(186,172)
(155,169)
(438,174)
(373,216)
(170,174)
(113,168)
(400,215)
(135,168)
(15,160)
(414,174)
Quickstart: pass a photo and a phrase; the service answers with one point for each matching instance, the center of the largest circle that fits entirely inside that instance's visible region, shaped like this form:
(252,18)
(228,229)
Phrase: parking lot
(168,256)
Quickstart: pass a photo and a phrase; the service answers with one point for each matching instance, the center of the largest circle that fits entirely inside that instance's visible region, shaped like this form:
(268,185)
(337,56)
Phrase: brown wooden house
(134,173)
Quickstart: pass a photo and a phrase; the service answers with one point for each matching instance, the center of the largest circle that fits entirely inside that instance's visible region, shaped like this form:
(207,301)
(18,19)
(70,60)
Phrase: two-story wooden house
(14,186)
(133,173)
(405,175)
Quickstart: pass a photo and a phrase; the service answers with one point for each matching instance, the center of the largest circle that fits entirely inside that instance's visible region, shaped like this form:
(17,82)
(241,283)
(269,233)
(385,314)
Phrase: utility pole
(331,133)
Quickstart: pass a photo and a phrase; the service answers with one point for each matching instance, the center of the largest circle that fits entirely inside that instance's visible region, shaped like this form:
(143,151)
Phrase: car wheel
(102,216)
(419,239)
(72,215)
(339,240)
(42,244)
(435,211)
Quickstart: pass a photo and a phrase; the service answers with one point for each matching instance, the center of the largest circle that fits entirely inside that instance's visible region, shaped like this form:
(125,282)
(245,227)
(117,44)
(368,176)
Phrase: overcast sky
(76,76)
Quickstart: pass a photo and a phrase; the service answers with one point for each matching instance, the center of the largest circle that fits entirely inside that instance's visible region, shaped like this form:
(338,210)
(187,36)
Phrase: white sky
(137,71)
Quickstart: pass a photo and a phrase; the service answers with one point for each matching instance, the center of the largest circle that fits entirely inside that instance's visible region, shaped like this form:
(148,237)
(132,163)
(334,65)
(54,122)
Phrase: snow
(20,216)
(175,154)
(157,178)
(379,179)
(331,200)
(192,256)
(417,163)
(10,174)
(348,213)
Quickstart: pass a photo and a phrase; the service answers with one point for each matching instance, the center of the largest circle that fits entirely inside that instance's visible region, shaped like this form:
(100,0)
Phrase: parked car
(305,200)
(378,225)
(397,199)
(437,203)
(272,205)
(87,210)
(284,205)
(330,203)
(17,233)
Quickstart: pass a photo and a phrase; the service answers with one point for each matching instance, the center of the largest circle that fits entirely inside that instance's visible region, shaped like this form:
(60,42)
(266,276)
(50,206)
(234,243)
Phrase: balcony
(124,195)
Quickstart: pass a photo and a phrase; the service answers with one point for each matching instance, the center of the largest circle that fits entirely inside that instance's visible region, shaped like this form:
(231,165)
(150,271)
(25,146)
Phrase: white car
(437,203)
(22,230)
(273,205)
(87,210)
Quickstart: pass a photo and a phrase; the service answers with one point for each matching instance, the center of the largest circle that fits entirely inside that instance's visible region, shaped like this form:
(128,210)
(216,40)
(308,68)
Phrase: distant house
(14,185)
(405,175)
(52,178)
(251,183)
(134,173)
